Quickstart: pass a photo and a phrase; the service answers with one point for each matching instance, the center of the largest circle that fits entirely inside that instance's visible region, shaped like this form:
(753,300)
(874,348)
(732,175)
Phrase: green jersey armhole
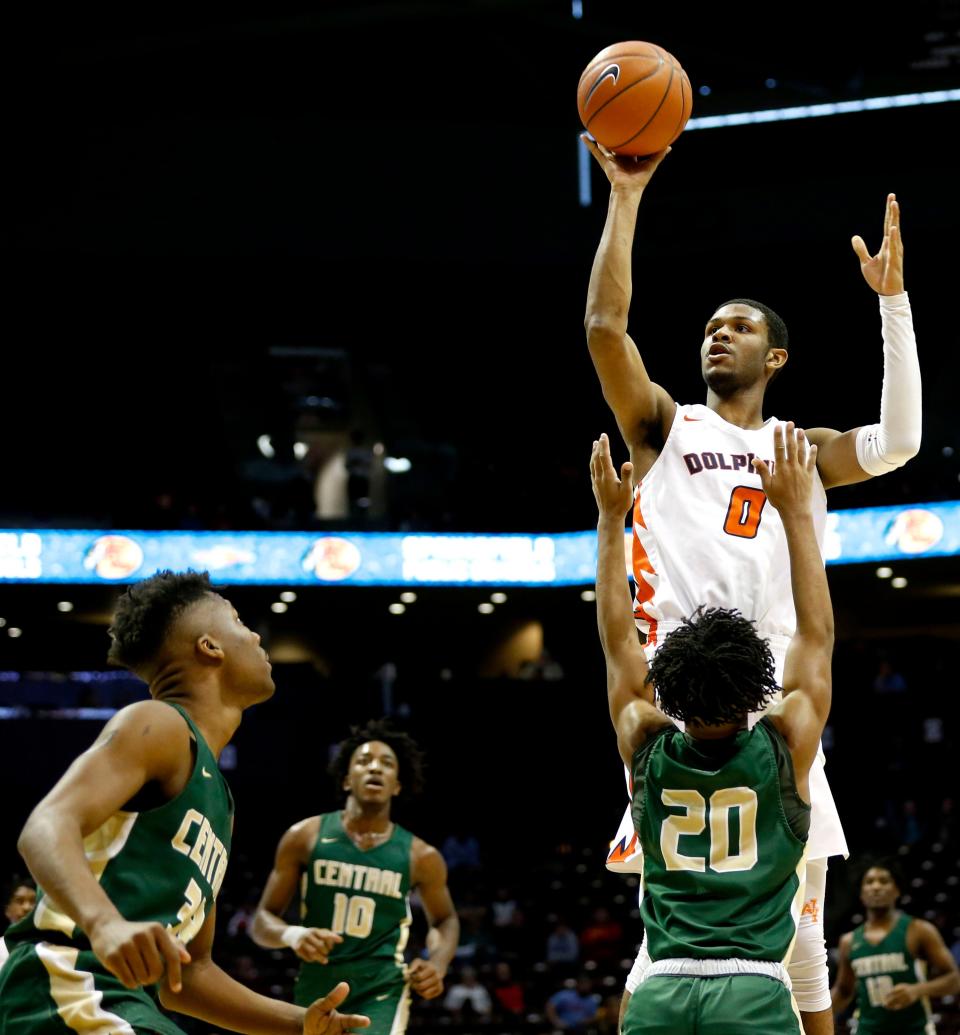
(638,768)
(796,811)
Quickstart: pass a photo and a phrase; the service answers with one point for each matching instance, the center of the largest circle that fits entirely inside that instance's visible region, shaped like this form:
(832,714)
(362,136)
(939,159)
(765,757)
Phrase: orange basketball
(634,98)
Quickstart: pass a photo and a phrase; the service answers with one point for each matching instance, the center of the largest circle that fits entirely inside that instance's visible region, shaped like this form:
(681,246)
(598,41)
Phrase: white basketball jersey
(704,533)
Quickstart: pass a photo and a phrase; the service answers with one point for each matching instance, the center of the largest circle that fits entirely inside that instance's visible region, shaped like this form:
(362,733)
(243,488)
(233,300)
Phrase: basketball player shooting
(703,532)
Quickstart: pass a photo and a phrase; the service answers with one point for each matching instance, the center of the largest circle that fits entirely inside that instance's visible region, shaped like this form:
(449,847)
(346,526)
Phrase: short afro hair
(146,612)
(713,669)
(777,336)
(886,862)
(409,756)
(17,881)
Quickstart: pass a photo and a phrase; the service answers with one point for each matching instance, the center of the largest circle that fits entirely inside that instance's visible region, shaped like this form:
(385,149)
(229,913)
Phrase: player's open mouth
(716,349)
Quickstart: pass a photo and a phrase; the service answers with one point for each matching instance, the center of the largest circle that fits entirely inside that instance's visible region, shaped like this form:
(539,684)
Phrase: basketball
(634,98)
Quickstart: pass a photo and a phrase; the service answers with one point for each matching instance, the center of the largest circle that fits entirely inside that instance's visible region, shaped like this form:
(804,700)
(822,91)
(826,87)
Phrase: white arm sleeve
(890,444)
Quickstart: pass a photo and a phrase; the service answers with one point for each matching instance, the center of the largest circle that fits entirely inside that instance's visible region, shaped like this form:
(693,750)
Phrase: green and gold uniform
(164,864)
(723,832)
(364,896)
(878,968)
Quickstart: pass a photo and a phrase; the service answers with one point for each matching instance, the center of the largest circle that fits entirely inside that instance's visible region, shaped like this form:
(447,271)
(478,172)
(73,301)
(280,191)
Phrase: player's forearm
(212,996)
(611,278)
(839,999)
(618,633)
(945,984)
(808,578)
(267,930)
(51,844)
(442,941)
(884,447)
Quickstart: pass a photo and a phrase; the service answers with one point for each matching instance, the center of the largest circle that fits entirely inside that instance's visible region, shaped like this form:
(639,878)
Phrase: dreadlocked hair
(713,669)
(146,612)
(410,758)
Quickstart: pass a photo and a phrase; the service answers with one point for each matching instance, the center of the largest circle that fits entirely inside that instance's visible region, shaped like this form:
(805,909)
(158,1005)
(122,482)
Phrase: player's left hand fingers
(332,999)
(595,460)
(860,248)
(895,220)
(333,1023)
(898,997)
(351,1022)
(790,441)
(811,456)
(760,466)
(802,447)
(626,473)
(604,462)
(609,470)
(429,989)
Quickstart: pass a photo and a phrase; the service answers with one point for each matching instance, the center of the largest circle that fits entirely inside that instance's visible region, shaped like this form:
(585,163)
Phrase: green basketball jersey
(878,968)
(165,864)
(362,896)
(723,832)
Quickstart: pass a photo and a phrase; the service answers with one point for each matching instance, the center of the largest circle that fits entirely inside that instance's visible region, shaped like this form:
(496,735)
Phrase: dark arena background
(322,269)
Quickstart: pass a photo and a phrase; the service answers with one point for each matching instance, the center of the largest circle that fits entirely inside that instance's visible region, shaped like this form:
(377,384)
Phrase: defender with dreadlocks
(721,811)
(130,847)
(356,869)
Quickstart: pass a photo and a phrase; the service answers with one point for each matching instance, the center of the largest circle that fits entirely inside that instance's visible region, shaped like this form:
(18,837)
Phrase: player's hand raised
(322,1018)
(316,944)
(138,953)
(630,172)
(789,485)
(884,271)
(614,495)
(425,979)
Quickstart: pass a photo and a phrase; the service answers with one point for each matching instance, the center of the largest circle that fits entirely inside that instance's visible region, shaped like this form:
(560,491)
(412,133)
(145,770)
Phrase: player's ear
(397,789)
(776,359)
(208,649)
